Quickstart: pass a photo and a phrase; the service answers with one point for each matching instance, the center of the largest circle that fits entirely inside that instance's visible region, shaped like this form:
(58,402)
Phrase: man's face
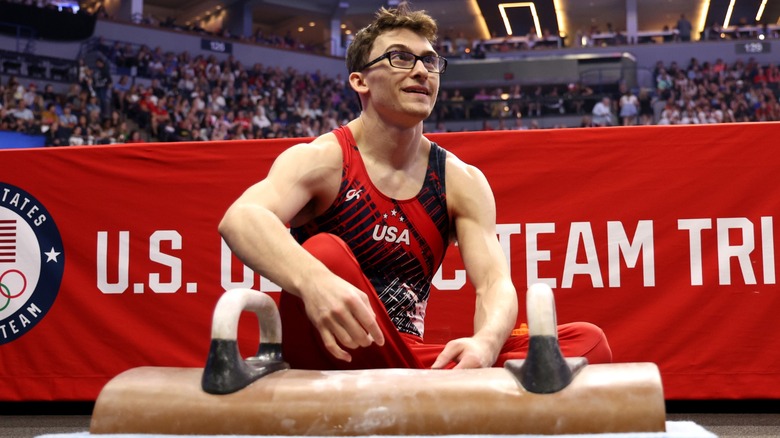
(411,92)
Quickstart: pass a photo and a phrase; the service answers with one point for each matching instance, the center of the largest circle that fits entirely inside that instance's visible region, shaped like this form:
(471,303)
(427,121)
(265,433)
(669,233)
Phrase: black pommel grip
(544,370)
(225,371)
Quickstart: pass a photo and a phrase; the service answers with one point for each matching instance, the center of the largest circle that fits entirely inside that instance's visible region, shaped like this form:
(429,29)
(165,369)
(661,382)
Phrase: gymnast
(372,207)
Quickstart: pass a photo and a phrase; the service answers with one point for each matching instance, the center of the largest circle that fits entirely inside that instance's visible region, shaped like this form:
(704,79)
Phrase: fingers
(367,320)
(465,352)
(343,335)
(356,323)
(468,362)
(333,347)
(352,325)
(447,355)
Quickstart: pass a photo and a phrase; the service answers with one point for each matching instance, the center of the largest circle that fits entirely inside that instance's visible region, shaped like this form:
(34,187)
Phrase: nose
(419,68)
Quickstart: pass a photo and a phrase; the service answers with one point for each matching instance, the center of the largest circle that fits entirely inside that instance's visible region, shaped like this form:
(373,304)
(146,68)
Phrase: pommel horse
(543,394)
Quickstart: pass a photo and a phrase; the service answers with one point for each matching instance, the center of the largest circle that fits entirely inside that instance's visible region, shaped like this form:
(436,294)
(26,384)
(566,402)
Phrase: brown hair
(386,20)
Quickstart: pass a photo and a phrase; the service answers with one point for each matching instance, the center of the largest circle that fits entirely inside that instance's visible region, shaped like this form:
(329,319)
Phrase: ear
(358,82)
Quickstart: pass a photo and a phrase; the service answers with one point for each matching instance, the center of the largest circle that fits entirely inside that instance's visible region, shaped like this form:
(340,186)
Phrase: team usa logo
(32,261)
(393,229)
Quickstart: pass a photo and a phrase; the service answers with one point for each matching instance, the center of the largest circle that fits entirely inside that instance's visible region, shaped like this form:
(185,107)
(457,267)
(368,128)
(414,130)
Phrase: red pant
(303,348)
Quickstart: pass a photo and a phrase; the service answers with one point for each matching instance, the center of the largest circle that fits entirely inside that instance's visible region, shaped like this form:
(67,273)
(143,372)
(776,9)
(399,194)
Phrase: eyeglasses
(407,61)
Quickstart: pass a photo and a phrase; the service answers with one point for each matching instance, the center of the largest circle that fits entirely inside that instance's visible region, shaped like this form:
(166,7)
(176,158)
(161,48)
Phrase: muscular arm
(300,182)
(473,207)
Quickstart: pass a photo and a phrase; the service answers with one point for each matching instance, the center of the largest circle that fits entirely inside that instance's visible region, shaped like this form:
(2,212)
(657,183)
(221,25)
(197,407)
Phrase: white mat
(674,429)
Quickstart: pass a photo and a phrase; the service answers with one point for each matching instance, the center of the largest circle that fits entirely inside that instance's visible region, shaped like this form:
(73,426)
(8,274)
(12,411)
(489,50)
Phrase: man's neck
(395,159)
(395,145)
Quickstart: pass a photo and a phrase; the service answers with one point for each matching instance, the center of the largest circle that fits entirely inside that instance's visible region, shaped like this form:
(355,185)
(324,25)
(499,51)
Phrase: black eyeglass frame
(388,56)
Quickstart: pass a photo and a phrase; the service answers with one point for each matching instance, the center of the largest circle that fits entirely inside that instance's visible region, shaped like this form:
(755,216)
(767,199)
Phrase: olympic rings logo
(5,290)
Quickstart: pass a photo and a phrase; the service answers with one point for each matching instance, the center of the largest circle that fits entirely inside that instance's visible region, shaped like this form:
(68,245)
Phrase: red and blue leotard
(399,244)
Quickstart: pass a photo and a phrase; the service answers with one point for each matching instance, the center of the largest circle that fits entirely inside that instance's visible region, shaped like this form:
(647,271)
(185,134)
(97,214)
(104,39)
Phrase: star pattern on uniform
(394,213)
(52,255)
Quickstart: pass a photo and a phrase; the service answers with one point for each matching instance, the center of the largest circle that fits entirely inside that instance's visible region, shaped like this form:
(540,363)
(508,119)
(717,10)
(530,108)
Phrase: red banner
(663,236)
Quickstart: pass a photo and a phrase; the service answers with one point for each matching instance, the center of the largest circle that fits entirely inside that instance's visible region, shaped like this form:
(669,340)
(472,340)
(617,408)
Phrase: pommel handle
(544,370)
(225,371)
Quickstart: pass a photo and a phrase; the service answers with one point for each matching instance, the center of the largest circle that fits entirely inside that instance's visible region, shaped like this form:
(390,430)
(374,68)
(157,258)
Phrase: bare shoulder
(323,154)
(464,179)
(469,196)
(308,174)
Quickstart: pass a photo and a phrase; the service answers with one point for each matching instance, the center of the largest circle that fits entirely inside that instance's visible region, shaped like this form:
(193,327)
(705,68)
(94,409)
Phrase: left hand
(467,353)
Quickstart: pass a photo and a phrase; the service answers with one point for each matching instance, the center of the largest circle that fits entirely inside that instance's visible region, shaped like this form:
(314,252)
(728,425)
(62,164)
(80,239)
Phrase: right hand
(342,314)
(466,353)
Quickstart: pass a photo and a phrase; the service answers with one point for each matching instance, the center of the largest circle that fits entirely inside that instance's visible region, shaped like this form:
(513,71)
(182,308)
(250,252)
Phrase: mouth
(417,90)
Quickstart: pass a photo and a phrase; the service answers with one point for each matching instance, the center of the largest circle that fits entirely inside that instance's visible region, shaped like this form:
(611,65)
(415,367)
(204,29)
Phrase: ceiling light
(560,14)
(760,10)
(502,7)
(704,9)
(728,13)
(481,24)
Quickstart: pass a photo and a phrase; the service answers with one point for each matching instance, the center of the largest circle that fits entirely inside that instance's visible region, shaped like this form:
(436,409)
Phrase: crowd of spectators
(187,98)
(699,93)
(184,98)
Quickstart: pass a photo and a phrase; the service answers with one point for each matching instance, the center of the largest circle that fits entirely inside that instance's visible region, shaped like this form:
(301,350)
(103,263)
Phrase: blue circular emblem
(32,261)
